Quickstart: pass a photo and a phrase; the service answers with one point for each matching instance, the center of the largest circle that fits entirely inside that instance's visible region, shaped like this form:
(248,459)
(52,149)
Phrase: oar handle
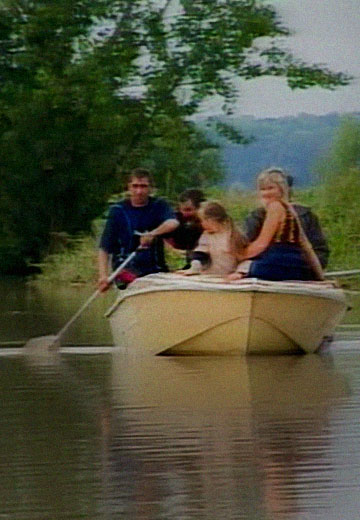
(77,314)
(337,274)
(110,279)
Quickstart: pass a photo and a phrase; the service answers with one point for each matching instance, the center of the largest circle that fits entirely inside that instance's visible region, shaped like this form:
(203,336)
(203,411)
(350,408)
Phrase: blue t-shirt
(119,237)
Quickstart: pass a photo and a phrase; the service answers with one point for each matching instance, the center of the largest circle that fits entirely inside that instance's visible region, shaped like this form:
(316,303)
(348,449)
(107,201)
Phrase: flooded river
(96,432)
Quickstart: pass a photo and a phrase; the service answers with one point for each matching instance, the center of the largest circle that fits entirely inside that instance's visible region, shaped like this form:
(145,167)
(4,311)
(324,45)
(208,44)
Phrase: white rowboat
(171,314)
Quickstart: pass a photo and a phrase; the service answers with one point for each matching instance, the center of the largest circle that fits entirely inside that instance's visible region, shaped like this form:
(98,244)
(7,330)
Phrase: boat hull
(200,318)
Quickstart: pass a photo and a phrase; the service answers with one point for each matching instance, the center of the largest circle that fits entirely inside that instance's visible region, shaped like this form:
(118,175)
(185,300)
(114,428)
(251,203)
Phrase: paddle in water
(52,342)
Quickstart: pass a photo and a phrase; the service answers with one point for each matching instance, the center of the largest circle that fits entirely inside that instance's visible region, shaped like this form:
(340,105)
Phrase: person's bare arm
(103,269)
(166,227)
(275,213)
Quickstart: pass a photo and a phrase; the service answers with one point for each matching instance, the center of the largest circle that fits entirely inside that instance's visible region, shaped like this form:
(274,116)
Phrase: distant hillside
(292,143)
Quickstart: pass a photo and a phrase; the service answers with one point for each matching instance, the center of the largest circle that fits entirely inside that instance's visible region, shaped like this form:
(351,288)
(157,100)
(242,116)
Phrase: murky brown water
(101,433)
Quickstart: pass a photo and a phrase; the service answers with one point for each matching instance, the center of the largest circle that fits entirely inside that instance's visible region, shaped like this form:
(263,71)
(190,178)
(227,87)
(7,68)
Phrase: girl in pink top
(220,246)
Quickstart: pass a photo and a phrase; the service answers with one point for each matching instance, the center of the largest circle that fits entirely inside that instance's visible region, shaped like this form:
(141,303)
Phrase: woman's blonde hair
(215,211)
(276,176)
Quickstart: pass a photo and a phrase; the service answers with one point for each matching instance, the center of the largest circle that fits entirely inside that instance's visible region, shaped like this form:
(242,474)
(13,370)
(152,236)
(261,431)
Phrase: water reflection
(110,434)
(49,443)
(119,435)
(220,438)
(28,310)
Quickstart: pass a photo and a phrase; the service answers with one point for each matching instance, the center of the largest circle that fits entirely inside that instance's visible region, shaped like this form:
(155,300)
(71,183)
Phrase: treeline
(338,193)
(294,143)
(91,88)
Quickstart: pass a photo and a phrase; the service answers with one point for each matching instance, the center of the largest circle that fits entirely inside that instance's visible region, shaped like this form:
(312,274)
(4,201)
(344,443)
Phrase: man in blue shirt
(137,220)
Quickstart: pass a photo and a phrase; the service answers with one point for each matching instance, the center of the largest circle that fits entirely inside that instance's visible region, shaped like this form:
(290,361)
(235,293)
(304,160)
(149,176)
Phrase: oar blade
(42,344)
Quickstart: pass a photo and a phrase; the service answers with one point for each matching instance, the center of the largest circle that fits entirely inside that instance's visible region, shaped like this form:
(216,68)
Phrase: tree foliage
(91,87)
(340,194)
(198,48)
(345,151)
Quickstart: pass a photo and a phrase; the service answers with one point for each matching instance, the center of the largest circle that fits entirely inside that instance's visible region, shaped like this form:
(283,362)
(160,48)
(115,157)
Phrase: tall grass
(75,263)
(339,222)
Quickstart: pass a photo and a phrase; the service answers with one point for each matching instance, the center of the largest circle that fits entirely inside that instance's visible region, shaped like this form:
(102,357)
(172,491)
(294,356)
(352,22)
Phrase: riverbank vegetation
(334,199)
(90,89)
(339,194)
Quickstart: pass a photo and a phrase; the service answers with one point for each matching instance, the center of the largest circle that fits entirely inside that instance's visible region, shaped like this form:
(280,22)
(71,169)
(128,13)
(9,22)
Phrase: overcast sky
(324,32)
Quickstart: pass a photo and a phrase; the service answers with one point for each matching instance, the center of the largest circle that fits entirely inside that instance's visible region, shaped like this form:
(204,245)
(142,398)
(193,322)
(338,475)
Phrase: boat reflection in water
(220,437)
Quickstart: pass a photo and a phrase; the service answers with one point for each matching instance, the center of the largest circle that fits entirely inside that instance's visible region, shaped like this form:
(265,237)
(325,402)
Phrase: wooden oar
(52,342)
(338,274)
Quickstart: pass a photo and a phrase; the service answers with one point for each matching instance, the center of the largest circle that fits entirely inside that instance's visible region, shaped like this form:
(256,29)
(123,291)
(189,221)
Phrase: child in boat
(282,250)
(220,246)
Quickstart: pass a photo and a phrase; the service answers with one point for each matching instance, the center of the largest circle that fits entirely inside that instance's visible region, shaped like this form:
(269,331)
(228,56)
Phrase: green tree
(61,126)
(178,154)
(345,151)
(191,50)
(340,194)
(198,47)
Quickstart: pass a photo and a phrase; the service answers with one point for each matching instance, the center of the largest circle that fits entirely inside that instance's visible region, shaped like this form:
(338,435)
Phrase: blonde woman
(220,246)
(281,251)
(309,220)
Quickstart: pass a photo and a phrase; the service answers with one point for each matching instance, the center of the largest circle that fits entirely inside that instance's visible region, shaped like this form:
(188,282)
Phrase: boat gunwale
(252,285)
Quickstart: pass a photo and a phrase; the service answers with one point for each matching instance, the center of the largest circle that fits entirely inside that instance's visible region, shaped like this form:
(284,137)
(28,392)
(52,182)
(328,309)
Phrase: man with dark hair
(310,224)
(186,236)
(138,219)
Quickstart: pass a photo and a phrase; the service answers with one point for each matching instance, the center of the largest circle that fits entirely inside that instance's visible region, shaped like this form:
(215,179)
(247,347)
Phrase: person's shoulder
(301,210)
(115,208)
(158,201)
(161,207)
(307,213)
(119,203)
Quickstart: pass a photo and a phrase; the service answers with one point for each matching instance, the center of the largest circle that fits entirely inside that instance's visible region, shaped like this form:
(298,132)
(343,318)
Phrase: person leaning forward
(186,236)
(139,219)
